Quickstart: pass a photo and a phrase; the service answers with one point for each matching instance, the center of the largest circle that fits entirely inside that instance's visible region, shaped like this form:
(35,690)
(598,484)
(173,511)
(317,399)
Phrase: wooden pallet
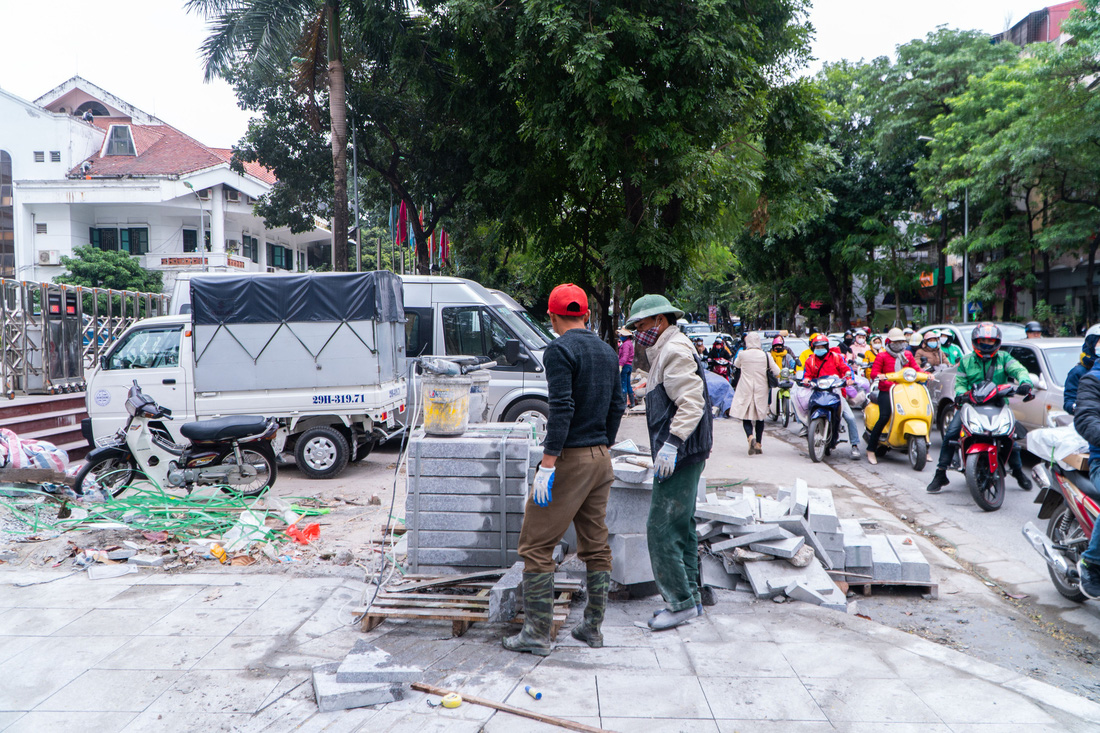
(932,589)
(460,599)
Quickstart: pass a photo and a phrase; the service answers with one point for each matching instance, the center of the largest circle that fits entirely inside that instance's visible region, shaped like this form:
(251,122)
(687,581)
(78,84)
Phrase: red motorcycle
(1071,503)
(987,440)
(719,366)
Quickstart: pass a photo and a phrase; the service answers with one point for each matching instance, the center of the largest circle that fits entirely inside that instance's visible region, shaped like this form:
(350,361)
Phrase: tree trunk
(1089,315)
(337,102)
(836,293)
(1046,278)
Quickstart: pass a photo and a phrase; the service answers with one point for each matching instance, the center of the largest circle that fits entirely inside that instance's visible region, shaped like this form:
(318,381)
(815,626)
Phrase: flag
(444,245)
(402,224)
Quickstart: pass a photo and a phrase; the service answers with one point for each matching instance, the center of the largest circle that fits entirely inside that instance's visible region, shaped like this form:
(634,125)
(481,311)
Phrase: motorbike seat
(1082,482)
(224,428)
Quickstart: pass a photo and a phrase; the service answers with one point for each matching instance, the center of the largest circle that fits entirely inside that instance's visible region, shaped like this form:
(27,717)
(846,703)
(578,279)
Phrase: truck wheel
(531,411)
(321,452)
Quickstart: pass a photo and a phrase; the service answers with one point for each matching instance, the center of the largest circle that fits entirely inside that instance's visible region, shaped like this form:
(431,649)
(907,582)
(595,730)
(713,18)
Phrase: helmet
(1033,327)
(777,341)
(896,334)
(819,340)
(986,332)
(651,305)
(907,331)
(916,339)
(719,340)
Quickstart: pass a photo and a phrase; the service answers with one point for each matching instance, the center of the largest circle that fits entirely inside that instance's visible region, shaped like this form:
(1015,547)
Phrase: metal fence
(51,333)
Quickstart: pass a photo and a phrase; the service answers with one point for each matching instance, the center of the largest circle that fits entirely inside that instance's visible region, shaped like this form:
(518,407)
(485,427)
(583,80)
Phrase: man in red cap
(574,478)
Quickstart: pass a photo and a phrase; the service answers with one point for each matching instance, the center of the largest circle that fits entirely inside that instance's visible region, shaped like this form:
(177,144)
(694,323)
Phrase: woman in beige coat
(750,399)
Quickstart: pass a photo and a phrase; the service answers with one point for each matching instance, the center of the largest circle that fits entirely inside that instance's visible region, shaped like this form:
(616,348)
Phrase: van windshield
(530,337)
(536,326)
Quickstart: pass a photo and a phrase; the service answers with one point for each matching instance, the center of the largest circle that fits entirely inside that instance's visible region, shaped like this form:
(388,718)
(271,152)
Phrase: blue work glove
(542,487)
(665,463)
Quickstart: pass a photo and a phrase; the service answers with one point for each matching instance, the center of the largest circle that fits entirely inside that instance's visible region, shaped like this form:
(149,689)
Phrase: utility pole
(966,256)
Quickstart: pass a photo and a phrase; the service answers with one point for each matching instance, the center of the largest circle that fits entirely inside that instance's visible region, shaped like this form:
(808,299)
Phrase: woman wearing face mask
(893,359)
(860,347)
(824,362)
(930,351)
(869,356)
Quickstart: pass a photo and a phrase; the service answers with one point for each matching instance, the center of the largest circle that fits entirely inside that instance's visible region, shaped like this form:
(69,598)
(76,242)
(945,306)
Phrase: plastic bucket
(479,396)
(446,404)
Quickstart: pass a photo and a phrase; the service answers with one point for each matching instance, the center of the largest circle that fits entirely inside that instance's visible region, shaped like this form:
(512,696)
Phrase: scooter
(782,406)
(911,421)
(1072,503)
(824,427)
(719,366)
(987,440)
(232,452)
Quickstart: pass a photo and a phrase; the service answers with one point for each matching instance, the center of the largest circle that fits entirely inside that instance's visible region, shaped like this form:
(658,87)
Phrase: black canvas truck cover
(358,296)
(332,331)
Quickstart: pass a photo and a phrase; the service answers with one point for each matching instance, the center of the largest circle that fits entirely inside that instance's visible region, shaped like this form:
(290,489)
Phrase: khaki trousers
(582,482)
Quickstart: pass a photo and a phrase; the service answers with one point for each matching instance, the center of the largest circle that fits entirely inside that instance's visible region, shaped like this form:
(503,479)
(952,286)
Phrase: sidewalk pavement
(214,652)
(232,650)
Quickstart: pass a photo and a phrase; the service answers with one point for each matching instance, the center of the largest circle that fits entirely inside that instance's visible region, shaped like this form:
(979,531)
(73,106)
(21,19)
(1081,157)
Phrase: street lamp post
(201,243)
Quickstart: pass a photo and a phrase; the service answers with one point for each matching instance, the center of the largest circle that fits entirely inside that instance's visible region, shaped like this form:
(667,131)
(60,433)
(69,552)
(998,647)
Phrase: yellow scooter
(911,421)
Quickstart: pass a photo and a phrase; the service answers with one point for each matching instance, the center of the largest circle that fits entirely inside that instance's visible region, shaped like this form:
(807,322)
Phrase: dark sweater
(586,396)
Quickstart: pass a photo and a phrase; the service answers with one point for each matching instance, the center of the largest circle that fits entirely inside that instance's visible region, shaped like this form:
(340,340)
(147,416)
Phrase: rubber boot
(588,630)
(938,481)
(538,616)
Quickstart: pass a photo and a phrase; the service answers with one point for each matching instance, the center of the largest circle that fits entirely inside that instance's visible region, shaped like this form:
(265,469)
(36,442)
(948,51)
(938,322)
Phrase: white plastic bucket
(479,396)
(446,404)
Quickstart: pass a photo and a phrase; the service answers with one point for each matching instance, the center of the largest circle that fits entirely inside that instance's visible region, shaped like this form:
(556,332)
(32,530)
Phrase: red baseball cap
(568,300)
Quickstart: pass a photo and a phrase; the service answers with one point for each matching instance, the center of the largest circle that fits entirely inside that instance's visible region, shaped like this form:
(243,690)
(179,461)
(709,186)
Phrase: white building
(80,166)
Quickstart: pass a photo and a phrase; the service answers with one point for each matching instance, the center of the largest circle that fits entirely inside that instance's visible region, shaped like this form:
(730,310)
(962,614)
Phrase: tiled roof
(162,150)
(253,169)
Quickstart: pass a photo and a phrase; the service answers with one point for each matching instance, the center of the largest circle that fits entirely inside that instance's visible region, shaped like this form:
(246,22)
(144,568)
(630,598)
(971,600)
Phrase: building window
(134,240)
(190,240)
(7,218)
(103,238)
(55,156)
(250,248)
(279,256)
(120,141)
(39,156)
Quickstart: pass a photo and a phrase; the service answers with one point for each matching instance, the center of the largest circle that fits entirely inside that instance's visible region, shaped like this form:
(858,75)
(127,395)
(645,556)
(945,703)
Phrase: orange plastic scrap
(304,536)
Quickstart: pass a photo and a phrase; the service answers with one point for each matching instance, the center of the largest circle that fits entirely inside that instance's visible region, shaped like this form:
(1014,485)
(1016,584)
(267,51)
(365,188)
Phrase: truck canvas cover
(336,330)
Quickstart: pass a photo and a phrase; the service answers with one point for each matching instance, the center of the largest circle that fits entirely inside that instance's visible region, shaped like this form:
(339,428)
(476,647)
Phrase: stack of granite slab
(465,497)
(789,545)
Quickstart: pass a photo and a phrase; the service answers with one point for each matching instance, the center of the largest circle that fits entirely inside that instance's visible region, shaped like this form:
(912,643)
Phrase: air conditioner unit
(204,194)
(232,195)
(49,257)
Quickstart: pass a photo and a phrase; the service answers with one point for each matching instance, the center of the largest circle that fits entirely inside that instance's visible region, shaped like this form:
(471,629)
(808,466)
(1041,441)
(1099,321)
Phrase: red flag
(445,245)
(402,224)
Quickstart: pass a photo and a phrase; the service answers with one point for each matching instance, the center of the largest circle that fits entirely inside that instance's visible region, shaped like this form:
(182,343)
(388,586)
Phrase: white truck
(324,354)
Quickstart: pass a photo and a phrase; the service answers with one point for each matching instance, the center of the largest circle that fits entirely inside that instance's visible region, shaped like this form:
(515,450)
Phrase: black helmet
(1033,327)
(986,332)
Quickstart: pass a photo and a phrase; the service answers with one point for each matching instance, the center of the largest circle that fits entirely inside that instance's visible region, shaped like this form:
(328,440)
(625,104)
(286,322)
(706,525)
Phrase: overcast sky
(146,51)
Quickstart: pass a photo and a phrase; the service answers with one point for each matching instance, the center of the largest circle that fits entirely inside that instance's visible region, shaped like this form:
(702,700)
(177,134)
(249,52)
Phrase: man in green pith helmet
(679,417)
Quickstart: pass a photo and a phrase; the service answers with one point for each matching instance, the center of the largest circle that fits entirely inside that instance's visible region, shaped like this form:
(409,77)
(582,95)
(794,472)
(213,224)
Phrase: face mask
(897,347)
(860,340)
(933,344)
(848,340)
(777,349)
(820,352)
(648,337)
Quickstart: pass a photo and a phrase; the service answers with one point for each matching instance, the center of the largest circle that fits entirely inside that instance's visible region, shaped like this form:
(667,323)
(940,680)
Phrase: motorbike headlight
(909,375)
(1003,424)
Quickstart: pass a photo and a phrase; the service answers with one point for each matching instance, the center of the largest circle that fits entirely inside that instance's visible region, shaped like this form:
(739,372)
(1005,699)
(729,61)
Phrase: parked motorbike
(232,452)
(911,421)
(719,366)
(781,408)
(986,442)
(1071,503)
(824,427)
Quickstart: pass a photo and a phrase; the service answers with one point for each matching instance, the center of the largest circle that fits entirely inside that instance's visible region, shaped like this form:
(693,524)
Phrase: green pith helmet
(651,305)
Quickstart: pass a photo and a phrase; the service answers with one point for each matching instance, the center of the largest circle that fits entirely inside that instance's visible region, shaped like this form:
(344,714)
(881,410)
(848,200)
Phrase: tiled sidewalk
(211,652)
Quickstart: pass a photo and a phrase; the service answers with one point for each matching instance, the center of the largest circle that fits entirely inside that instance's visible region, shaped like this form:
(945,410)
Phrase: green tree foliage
(91,267)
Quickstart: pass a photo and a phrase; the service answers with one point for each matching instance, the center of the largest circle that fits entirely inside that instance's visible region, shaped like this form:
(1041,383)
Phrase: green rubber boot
(538,616)
(588,630)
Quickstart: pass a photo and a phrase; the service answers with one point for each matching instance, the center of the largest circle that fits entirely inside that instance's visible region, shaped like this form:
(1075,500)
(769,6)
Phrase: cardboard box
(1078,461)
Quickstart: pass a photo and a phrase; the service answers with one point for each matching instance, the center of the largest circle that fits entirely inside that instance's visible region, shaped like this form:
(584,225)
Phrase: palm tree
(268,33)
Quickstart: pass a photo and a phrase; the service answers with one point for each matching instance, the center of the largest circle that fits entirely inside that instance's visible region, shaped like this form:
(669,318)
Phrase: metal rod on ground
(560,722)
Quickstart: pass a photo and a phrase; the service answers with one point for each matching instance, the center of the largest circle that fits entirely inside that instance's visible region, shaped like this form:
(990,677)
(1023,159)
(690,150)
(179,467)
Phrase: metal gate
(51,333)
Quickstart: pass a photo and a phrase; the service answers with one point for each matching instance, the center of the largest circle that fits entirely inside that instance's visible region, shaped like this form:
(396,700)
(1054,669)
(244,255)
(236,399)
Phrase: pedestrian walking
(750,399)
(626,364)
(574,478)
(678,414)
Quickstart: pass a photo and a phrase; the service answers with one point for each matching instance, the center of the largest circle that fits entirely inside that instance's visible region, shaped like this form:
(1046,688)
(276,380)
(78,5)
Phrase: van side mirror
(103,362)
(512,355)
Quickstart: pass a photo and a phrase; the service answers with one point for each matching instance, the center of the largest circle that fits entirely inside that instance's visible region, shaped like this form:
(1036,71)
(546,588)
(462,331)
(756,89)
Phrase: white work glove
(542,487)
(665,462)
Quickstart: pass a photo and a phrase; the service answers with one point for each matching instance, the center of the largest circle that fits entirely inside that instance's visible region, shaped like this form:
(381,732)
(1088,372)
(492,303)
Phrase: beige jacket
(672,365)
(750,399)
